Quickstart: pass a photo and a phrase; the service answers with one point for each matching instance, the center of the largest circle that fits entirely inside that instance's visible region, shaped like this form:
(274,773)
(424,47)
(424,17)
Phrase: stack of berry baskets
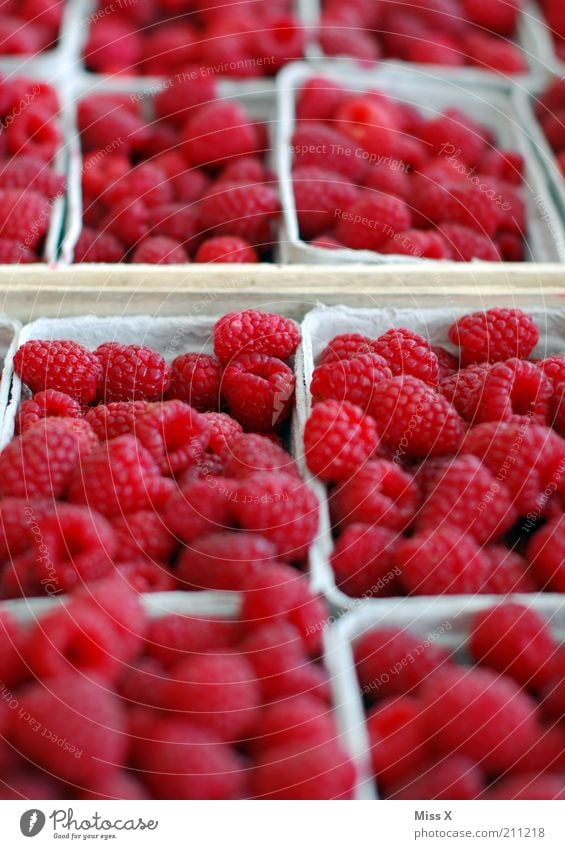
(137,124)
(464,149)
(429,669)
(434,42)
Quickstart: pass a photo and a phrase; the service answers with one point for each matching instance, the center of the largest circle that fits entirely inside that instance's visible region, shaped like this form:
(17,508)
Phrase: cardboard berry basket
(9,340)
(439,620)
(528,39)
(541,44)
(318,328)
(545,240)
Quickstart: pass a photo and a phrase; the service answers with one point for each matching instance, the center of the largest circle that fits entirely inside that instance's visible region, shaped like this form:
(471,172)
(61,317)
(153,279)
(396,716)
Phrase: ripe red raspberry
(509,571)
(553,694)
(453,133)
(118,785)
(319,98)
(494,335)
(390,177)
(282,509)
(120,476)
(447,362)
(129,222)
(515,641)
(146,182)
(494,54)
(114,419)
(339,40)
(369,121)
(33,131)
(80,712)
(174,434)
(178,760)
(469,206)
(168,48)
(62,365)
(500,17)
(189,186)
(515,387)
(44,405)
(397,739)
(528,786)
(200,508)
(454,777)
(29,217)
(379,493)
(223,560)
(250,168)
(40,462)
(392,661)
(259,391)
(346,346)
(463,494)
(289,772)
(442,561)
(338,439)
(408,353)
(31,172)
(179,99)
(254,332)
(195,378)
(546,554)
(12,638)
(223,433)
(466,244)
(536,464)
(371,221)
(122,608)
(478,713)
(250,453)
(159,250)
(216,692)
(443,50)
(170,638)
(97,246)
(176,221)
(315,143)
(218,132)
(131,373)
(300,720)
(226,249)
(415,420)
(351,380)
(113,45)
(421,243)
(243,210)
(362,561)
(142,533)
(554,369)
(464,389)
(320,195)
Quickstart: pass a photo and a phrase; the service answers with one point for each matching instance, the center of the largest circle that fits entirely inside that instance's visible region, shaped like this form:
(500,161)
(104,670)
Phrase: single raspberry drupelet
(349,380)
(254,332)
(131,373)
(338,439)
(62,365)
(494,335)
(408,353)
(443,561)
(379,493)
(259,390)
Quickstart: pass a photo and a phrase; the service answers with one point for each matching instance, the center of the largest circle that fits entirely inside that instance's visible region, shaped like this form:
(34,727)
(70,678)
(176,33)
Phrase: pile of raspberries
(249,39)
(554,12)
(550,112)
(446,467)
(30,138)
(190,184)
(440,730)
(173,476)
(371,173)
(100,702)
(478,33)
(29,26)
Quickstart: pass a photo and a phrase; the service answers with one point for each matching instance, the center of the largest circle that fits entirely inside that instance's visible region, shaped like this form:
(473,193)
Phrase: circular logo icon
(32,822)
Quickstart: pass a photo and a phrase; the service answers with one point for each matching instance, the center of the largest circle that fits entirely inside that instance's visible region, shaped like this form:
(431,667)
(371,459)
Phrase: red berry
(223,560)
(454,777)
(320,196)
(250,453)
(494,335)
(254,332)
(218,132)
(131,373)
(408,353)
(241,209)
(350,380)
(61,365)
(114,419)
(170,638)
(362,561)
(338,439)
(258,390)
(159,250)
(174,434)
(466,244)
(371,221)
(378,493)
(44,405)
(397,739)
(515,387)
(288,772)
(226,249)
(546,554)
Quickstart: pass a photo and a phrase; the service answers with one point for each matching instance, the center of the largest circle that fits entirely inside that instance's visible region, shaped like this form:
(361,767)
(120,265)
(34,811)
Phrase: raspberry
(62,365)
(370,122)
(178,100)
(226,249)
(421,243)
(146,576)
(408,353)
(131,373)
(245,168)
(83,714)
(444,50)
(500,17)
(282,509)
(362,561)
(181,761)
(31,172)
(259,390)
(469,206)
(129,222)
(338,439)
(195,378)
(346,346)
(454,777)
(509,572)
(515,387)
(200,508)
(494,335)
(114,419)
(379,493)
(145,181)
(33,132)
(179,222)
(396,739)
(288,772)
(349,380)
(413,419)
(483,716)
(319,98)
(44,405)
(159,250)
(513,640)
(538,455)
(299,720)
(12,637)
(553,694)
(112,46)
(217,692)
(464,389)
(122,608)
(250,453)
(170,638)
(116,785)
(223,560)
(254,332)
(466,244)
(454,131)
(120,476)
(393,661)
(371,221)
(41,462)
(442,561)
(447,362)
(554,369)
(314,142)
(546,554)
(174,434)
(142,533)
(189,186)
(390,177)
(218,132)
(494,54)
(319,196)
(463,494)
(336,40)
(20,785)
(528,786)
